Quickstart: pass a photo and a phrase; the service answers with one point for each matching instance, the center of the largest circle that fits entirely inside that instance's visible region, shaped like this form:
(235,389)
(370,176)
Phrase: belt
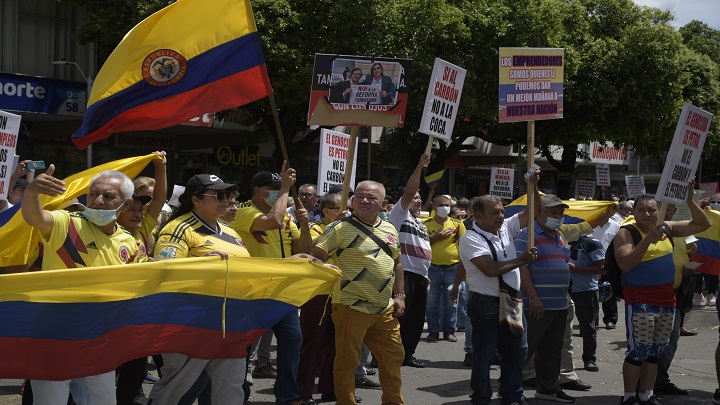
(443,265)
(482,297)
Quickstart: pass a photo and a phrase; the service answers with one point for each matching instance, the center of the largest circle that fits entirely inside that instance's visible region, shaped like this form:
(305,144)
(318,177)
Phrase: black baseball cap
(200,182)
(144,199)
(266,179)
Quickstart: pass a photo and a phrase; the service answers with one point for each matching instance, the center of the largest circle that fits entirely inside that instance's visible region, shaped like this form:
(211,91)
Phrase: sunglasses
(220,196)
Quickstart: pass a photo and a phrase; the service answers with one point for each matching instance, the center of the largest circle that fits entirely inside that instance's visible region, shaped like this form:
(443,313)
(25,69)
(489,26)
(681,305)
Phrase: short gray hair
(479,203)
(126,185)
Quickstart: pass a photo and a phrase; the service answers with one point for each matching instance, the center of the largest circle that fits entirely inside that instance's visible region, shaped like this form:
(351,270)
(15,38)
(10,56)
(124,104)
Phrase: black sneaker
(433,337)
(716,398)
(450,337)
(557,396)
(670,389)
(650,401)
(629,401)
(468,359)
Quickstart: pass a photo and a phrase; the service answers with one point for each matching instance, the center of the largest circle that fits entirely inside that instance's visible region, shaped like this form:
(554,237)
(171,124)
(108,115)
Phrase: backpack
(615,276)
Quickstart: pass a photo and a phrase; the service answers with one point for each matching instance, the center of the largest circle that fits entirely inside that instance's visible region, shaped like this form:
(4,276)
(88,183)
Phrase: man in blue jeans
(487,253)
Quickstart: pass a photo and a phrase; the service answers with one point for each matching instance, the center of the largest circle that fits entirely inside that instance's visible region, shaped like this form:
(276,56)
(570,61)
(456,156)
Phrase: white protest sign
(501,182)
(635,186)
(602,174)
(333,160)
(684,154)
(363,94)
(584,187)
(442,100)
(9,128)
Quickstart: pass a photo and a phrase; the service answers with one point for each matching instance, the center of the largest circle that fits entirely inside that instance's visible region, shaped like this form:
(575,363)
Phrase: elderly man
(648,290)
(307,194)
(488,255)
(370,295)
(90,238)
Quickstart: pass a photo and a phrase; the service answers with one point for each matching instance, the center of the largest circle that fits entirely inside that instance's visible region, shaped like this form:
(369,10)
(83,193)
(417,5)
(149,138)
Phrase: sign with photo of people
(358,91)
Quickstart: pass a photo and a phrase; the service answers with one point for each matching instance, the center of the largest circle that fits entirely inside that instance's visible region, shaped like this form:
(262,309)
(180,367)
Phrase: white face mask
(554,223)
(442,211)
(99,217)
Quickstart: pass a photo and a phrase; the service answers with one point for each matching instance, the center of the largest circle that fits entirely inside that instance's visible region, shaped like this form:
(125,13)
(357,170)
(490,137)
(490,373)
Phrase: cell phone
(36,165)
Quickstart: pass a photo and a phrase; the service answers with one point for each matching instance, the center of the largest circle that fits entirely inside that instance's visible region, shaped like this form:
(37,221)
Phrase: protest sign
(442,100)
(9,128)
(608,192)
(684,154)
(635,186)
(501,182)
(602,174)
(584,187)
(333,160)
(531,84)
(709,187)
(358,91)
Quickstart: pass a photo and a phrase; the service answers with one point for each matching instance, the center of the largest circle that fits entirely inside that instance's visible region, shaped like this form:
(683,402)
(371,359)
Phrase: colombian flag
(67,324)
(192,57)
(579,211)
(18,240)
(433,180)
(708,244)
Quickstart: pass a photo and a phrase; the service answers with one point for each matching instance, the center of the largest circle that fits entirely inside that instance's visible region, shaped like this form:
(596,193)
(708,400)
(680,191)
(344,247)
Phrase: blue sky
(707,11)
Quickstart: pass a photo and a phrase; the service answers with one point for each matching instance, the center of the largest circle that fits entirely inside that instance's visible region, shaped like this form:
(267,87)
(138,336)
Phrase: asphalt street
(446,381)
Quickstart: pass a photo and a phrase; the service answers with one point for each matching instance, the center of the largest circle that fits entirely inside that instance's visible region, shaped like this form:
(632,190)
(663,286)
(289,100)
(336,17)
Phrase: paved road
(446,380)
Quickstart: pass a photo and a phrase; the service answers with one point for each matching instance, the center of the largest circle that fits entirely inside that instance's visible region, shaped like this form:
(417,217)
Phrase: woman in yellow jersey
(194,230)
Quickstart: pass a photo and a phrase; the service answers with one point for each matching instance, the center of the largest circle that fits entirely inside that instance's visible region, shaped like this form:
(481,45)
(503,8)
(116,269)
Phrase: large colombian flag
(18,240)
(72,323)
(190,58)
(579,211)
(708,244)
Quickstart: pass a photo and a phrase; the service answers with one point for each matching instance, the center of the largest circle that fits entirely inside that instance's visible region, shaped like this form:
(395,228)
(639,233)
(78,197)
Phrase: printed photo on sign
(346,89)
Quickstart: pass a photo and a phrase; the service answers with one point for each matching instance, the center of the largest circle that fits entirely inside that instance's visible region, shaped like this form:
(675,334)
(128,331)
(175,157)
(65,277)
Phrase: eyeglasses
(220,196)
(306,195)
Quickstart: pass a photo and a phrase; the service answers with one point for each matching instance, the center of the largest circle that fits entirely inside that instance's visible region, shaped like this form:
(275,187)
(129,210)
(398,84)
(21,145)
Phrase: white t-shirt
(473,245)
(606,233)
(414,240)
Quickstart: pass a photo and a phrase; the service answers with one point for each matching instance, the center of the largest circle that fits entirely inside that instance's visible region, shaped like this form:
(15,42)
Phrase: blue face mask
(272,197)
(382,215)
(554,223)
(99,217)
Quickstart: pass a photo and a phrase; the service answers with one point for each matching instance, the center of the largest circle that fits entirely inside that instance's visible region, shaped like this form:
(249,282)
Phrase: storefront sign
(42,95)
(151,141)
(247,155)
(9,127)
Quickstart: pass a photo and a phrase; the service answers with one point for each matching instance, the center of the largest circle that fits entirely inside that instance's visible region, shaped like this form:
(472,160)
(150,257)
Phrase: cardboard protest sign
(442,100)
(9,128)
(684,154)
(602,174)
(501,182)
(333,160)
(358,91)
(584,187)
(635,186)
(608,192)
(531,84)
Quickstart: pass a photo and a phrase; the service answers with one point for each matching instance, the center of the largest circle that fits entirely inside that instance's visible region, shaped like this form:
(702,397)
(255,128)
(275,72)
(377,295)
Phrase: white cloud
(707,11)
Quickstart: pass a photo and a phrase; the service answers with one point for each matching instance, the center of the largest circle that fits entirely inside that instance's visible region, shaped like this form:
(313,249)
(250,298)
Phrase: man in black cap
(269,231)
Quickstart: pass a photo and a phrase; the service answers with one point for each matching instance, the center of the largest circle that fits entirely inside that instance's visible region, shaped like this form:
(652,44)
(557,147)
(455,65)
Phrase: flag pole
(349,163)
(281,139)
(531,190)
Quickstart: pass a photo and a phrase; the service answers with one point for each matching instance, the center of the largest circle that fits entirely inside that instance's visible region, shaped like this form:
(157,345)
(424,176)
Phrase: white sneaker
(699,300)
(711,300)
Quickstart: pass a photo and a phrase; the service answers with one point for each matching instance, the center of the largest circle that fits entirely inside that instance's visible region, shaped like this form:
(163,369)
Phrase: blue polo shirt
(585,253)
(550,272)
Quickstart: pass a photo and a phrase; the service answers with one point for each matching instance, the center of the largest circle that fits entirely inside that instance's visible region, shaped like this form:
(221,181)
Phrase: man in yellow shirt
(445,233)
(88,239)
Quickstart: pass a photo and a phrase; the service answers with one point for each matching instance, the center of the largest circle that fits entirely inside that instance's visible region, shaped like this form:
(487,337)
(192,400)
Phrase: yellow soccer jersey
(368,273)
(317,228)
(188,236)
(445,252)
(264,243)
(76,242)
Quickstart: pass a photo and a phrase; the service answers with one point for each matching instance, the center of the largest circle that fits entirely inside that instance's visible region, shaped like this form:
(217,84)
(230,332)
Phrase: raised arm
(413,183)
(523,216)
(699,221)
(32,209)
(160,190)
(274,219)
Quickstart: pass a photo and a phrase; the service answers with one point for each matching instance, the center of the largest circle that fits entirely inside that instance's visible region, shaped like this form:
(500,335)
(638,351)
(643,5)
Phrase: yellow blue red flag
(578,212)
(18,240)
(190,58)
(708,243)
(65,324)
(433,180)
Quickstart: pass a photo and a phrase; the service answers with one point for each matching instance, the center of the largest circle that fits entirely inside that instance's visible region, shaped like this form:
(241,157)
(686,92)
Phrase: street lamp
(89,81)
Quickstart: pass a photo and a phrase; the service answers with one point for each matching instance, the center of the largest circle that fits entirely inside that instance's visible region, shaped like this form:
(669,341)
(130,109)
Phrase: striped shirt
(550,272)
(414,240)
(188,236)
